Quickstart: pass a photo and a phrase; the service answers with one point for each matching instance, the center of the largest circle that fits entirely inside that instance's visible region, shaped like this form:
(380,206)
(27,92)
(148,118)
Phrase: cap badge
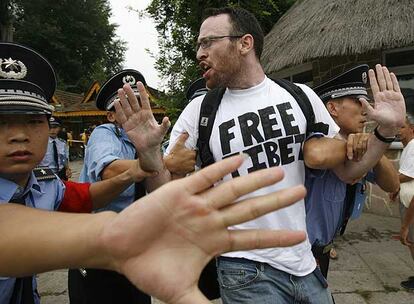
(364,77)
(12,69)
(129,79)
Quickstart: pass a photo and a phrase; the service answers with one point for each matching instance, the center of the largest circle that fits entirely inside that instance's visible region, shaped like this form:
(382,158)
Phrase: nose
(201,54)
(17,132)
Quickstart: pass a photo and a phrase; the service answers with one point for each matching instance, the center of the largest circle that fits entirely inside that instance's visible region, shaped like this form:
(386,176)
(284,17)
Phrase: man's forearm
(117,167)
(152,161)
(73,242)
(324,152)
(351,170)
(107,190)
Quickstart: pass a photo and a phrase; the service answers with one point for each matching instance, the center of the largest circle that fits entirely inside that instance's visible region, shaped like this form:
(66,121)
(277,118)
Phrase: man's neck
(250,76)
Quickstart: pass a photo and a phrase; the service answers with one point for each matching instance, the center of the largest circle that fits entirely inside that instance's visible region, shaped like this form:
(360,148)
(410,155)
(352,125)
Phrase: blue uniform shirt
(48,195)
(107,144)
(325,204)
(63,154)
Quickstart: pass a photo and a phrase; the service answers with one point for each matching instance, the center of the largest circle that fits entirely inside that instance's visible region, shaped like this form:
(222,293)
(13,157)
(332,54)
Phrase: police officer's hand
(357,145)
(180,160)
(389,108)
(164,240)
(137,119)
(137,174)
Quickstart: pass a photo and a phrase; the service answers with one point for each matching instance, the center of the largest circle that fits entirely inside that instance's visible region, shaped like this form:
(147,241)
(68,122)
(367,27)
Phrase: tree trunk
(6,32)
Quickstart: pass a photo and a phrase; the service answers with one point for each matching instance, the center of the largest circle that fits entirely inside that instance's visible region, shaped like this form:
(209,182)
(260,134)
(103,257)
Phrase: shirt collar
(9,188)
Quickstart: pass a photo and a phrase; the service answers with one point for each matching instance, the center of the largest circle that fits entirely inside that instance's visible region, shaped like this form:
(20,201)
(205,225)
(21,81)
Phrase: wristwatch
(387,140)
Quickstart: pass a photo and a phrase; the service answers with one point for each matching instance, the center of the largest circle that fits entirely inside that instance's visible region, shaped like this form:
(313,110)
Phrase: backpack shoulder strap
(208,110)
(305,105)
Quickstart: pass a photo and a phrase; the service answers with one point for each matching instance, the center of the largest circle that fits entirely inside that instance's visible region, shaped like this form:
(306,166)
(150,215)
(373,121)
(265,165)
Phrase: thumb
(366,107)
(181,140)
(165,124)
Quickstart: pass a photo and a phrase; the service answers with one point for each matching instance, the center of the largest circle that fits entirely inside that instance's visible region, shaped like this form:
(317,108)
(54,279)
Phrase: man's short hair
(243,22)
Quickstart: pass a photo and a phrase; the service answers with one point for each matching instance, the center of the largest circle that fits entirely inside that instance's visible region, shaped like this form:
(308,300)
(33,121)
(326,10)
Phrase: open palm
(163,241)
(389,108)
(138,120)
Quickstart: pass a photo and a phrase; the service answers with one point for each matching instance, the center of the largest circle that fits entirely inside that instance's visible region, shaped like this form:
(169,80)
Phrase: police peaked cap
(196,88)
(54,122)
(350,83)
(27,80)
(109,90)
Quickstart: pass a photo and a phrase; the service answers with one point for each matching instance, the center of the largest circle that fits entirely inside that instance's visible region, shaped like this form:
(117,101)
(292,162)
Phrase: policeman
(109,152)
(27,82)
(329,201)
(57,154)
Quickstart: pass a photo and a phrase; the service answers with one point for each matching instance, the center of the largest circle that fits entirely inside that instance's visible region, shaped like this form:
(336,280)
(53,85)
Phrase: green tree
(76,37)
(178,22)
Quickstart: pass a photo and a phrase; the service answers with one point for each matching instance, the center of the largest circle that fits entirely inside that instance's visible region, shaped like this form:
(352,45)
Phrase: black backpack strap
(208,110)
(305,105)
(348,206)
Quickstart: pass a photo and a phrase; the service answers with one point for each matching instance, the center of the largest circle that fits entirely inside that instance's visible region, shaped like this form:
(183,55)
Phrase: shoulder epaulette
(43,173)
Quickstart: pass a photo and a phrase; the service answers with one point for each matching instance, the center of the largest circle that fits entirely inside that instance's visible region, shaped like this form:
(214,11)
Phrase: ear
(247,44)
(332,108)
(110,115)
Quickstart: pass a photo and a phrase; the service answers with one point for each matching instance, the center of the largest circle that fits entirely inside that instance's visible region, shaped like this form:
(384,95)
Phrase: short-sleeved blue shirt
(107,144)
(325,204)
(47,195)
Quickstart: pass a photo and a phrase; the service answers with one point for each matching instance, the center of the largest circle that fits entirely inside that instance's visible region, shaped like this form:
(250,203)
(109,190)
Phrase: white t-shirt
(407,168)
(250,120)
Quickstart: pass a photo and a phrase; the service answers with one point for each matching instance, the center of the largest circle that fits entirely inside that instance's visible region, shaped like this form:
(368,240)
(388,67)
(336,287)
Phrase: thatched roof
(324,28)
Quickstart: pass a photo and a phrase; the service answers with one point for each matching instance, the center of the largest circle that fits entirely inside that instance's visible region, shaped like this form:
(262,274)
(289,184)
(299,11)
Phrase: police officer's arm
(176,229)
(117,167)
(386,176)
(106,190)
(144,132)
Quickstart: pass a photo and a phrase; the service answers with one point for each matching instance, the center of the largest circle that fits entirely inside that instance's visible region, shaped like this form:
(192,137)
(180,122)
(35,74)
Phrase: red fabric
(77,198)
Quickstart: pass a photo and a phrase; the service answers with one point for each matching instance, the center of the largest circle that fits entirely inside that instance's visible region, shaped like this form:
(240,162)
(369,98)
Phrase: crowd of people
(259,177)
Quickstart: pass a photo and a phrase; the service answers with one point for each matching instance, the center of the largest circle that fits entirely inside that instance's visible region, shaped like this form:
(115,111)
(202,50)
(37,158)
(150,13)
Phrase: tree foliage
(178,22)
(74,35)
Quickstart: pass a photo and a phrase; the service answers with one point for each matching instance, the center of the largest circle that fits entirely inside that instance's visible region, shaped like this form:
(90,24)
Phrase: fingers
(145,103)
(350,146)
(206,177)
(230,191)
(366,107)
(396,85)
(180,143)
(373,82)
(255,207)
(132,98)
(380,78)
(124,101)
(259,239)
(119,113)
(165,125)
(387,76)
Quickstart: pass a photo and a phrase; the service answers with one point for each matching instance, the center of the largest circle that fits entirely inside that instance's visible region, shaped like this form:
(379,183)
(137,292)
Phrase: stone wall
(325,68)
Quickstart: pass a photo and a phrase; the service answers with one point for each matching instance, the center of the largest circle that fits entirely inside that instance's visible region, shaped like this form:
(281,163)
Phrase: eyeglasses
(206,42)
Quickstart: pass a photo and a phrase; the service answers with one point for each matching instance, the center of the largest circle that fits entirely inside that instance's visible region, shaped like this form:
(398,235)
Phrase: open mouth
(204,66)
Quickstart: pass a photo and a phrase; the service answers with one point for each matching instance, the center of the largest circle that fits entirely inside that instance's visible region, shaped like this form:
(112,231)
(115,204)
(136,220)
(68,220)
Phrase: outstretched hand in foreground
(180,227)
(161,242)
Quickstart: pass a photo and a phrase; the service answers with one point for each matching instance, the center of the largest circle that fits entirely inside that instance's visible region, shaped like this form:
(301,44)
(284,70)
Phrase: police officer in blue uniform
(109,152)
(330,202)
(57,154)
(27,82)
